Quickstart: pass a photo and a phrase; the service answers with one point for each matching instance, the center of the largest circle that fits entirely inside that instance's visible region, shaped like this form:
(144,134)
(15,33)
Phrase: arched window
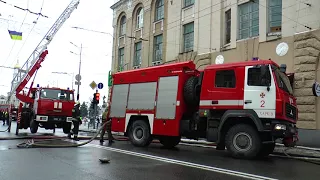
(140,18)
(122,26)
(159,10)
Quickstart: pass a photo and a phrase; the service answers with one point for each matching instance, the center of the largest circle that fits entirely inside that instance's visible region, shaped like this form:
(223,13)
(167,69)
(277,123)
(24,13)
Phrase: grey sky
(97,51)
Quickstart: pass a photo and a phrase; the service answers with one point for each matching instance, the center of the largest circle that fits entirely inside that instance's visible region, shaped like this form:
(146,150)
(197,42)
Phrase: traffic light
(96,98)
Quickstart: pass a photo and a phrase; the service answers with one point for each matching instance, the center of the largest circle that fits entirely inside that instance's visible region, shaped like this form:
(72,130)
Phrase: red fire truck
(242,106)
(46,107)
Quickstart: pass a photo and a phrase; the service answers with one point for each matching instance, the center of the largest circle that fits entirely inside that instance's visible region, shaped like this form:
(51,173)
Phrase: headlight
(280,127)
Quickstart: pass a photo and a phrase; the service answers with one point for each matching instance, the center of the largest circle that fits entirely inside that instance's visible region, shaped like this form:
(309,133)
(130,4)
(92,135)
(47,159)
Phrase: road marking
(184,163)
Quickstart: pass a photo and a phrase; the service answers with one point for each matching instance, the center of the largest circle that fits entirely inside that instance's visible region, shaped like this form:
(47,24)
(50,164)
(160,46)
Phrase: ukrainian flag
(15,35)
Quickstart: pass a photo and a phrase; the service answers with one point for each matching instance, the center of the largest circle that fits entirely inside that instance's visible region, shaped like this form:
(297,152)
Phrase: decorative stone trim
(306,59)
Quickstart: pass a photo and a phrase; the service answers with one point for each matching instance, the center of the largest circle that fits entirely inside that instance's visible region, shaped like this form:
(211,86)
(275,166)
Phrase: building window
(157,49)
(188,3)
(122,26)
(249,19)
(121,59)
(255,79)
(225,79)
(137,55)
(140,18)
(159,10)
(228,26)
(188,37)
(275,15)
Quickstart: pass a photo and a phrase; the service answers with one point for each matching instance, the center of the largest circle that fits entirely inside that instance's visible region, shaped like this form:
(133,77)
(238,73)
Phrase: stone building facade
(153,32)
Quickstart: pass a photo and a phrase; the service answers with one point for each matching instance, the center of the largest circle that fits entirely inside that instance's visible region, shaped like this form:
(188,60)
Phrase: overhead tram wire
(23,9)
(14,43)
(30,31)
(92,30)
(179,17)
(147,33)
(254,1)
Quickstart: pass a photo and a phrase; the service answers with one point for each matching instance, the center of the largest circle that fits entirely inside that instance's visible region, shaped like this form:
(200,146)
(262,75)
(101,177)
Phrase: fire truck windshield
(283,81)
(56,94)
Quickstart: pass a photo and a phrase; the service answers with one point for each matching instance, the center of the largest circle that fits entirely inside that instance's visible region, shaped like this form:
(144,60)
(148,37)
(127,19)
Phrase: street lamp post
(79,75)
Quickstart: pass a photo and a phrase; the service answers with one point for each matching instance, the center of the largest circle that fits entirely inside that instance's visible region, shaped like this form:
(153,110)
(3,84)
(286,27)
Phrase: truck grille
(291,111)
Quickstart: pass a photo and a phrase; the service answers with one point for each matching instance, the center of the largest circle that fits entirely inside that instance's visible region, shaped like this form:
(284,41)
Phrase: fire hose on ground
(35,145)
(32,144)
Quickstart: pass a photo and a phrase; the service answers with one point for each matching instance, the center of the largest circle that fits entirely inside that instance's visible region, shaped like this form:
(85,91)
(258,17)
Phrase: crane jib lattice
(30,64)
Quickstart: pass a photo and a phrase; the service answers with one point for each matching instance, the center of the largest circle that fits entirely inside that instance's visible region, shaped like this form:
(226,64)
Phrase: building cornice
(117,4)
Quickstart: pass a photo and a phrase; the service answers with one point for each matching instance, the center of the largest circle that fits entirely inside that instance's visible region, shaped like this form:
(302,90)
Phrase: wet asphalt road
(83,163)
(128,162)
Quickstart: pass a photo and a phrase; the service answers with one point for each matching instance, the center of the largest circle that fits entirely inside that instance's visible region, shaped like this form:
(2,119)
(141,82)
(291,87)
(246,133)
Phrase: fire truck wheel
(33,126)
(139,134)
(190,93)
(170,142)
(243,141)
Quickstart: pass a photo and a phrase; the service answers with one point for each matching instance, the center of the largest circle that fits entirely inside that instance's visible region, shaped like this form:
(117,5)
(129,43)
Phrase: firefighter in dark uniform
(76,121)
(107,128)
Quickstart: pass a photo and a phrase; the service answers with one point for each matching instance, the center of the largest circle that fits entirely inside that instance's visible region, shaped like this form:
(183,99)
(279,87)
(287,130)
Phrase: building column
(306,60)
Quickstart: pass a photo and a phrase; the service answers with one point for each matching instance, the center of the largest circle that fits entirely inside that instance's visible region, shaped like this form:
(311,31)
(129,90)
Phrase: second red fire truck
(242,106)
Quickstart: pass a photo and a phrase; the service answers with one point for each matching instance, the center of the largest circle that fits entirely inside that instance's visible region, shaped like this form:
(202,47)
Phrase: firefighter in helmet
(76,121)
(107,128)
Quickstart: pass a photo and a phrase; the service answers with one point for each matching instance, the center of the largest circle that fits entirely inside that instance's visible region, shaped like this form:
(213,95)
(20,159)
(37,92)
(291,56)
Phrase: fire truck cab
(49,108)
(244,107)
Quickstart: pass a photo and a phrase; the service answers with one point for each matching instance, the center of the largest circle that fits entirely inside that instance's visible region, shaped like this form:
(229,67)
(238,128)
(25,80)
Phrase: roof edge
(117,4)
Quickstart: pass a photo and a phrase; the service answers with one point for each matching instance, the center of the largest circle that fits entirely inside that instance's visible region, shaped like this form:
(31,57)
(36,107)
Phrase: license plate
(56,119)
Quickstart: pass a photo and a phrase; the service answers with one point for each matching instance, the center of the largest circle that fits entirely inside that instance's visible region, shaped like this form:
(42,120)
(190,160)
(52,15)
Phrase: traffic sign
(93,85)
(78,77)
(78,83)
(100,85)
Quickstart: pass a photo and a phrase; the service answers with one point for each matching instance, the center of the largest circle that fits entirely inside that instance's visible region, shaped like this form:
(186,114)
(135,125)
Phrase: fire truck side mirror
(283,68)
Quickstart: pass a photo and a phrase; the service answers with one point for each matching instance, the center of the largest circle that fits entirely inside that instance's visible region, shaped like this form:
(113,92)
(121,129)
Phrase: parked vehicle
(243,106)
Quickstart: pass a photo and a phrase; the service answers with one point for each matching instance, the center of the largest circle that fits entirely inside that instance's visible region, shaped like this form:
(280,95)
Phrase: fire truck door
(36,99)
(258,96)
(167,97)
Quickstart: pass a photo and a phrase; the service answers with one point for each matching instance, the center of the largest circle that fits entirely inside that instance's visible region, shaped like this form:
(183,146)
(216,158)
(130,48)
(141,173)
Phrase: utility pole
(78,76)
(95,115)
(72,81)
(78,93)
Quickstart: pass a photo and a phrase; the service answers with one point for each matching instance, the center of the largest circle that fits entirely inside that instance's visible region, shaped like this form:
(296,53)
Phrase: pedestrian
(2,117)
(7,117)
(107,128)
(76,121)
